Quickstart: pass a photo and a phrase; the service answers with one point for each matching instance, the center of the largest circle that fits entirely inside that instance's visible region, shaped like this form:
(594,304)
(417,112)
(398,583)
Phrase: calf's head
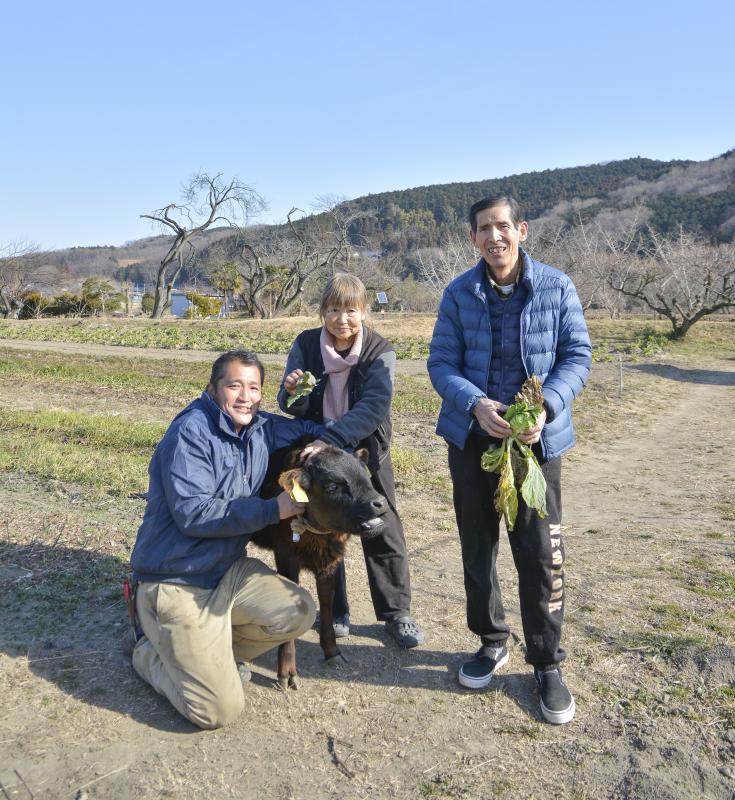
(341,497)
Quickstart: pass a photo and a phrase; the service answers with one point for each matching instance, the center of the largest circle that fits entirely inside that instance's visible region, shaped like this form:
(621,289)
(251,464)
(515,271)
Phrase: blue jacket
(555,346)
(203,505)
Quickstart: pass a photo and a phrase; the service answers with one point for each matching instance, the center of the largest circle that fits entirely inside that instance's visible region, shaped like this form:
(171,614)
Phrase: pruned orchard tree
(276,273)
(207,200)
(20,267)
(437,266)
(581,251)
(334,228)
(682,277)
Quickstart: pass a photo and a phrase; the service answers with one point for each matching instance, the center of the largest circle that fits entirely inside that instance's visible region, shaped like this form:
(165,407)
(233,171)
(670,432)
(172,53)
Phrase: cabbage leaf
(304,385)
(522,415)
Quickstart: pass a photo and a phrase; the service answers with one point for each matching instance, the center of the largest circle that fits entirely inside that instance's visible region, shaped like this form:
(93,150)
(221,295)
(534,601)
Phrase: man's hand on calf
(310,449)
(287,507)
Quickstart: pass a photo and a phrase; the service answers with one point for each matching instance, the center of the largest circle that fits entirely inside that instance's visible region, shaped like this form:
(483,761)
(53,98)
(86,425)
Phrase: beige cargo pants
(194,637)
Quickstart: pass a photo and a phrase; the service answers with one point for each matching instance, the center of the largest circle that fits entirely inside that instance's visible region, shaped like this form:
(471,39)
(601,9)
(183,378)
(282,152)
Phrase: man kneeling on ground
(203,606)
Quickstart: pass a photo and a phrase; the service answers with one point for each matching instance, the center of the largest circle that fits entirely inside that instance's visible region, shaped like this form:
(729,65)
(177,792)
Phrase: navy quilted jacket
(203,504)
(554,345)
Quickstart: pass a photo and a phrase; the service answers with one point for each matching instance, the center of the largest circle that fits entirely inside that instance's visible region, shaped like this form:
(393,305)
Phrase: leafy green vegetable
(305,385)
(533,488)
(493,459)
(506,497)
(522,421)
(515,460)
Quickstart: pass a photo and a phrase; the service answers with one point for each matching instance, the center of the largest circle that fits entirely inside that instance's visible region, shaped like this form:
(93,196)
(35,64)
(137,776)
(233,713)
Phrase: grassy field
(109,451)
(410,334)
(650,508)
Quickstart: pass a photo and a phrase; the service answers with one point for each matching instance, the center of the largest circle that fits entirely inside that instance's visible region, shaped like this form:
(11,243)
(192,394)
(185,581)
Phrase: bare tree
(335,228)
(437,266)
(582,253)
(207,200)
(590,252)
(276,273)
(19,268)
(35,305)
(683,277)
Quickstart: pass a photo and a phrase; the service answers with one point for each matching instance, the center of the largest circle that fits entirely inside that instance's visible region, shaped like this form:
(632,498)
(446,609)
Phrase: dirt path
(409,366)
(647,524)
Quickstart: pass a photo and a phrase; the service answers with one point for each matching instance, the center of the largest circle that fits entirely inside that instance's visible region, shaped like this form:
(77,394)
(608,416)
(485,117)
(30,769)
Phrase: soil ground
(648,526)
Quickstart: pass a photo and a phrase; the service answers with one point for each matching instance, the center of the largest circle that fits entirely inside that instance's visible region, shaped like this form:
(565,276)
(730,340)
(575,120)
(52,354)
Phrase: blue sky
(108,108)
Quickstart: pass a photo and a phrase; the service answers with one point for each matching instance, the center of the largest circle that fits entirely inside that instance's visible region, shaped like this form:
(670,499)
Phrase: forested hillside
(699,195)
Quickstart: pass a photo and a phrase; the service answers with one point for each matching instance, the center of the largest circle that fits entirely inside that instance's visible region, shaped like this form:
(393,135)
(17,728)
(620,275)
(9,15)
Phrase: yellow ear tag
(298,495)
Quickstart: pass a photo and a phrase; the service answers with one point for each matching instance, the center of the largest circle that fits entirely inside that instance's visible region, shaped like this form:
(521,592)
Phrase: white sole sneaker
(558,717)
(470,682)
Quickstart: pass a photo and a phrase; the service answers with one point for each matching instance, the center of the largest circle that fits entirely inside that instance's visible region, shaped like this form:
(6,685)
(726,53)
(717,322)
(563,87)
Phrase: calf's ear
(363,455)
(287,479)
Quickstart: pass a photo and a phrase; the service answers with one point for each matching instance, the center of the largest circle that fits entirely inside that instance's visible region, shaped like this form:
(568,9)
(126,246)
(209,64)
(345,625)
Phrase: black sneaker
(479,670)
(557,703)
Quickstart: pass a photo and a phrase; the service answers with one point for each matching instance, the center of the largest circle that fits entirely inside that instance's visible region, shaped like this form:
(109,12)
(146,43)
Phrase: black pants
(385,558)
(538,553)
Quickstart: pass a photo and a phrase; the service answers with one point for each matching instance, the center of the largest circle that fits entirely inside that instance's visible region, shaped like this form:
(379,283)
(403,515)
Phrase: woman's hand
(289,383)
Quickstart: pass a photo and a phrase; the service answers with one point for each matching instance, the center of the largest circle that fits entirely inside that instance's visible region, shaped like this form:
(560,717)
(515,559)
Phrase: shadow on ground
(64,613)
(669,371)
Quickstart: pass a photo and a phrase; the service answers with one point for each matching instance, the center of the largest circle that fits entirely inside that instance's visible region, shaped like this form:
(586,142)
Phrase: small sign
(382,298)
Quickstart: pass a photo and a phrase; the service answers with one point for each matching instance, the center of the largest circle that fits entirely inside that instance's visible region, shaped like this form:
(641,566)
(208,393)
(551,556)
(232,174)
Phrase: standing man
(203,605)
(507,318)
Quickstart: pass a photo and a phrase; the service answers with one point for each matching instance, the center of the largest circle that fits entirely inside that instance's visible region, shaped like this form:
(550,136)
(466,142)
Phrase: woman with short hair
(355,367)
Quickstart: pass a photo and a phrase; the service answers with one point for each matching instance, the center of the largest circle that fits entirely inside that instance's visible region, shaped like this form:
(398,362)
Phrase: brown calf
(342,503)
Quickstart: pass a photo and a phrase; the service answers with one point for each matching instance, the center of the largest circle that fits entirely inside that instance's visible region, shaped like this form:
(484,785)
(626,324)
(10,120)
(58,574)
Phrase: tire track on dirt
(641,474)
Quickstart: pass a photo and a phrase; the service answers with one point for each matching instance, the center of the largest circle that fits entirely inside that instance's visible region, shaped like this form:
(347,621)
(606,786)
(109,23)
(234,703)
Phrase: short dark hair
(516,215)
(244,357)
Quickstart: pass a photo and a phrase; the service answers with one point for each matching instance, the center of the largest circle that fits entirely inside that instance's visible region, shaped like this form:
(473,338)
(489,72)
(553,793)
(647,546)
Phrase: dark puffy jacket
(202,499)
(369,389)
(554,344)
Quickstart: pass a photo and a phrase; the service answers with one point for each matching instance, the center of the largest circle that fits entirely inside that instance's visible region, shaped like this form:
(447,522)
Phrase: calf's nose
(378,505)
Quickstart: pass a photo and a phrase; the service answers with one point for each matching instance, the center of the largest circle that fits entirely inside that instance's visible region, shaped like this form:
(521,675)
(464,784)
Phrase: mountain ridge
(700,195)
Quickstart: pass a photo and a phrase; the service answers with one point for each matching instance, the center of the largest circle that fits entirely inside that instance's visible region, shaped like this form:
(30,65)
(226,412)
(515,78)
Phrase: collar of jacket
(224,421)
(477,275)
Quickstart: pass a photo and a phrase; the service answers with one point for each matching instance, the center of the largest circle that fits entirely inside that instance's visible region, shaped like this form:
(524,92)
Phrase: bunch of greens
(514,459)
(304,385)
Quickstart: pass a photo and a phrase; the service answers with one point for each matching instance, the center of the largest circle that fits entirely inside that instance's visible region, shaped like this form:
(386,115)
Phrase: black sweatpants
(537,548)
(385,558)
